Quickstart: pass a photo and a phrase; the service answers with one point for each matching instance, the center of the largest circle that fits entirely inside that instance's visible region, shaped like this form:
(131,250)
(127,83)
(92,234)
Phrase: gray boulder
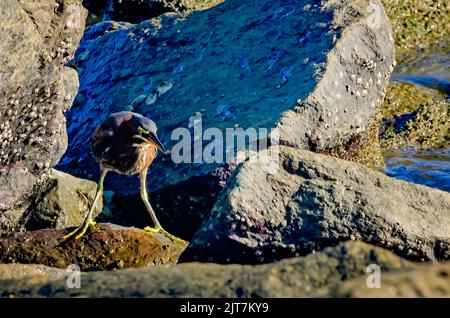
(38,38)
(317,71)
(62,201)
(314,275)
(312,201)
(59,201)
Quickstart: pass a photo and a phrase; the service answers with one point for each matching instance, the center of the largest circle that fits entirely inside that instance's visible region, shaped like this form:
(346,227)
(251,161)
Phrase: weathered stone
(37,39)
(111,247)
(60,25)
(249,74)
(312,201)
(313,275)
(60,201)
(30,272)
(65,203)
(425,281)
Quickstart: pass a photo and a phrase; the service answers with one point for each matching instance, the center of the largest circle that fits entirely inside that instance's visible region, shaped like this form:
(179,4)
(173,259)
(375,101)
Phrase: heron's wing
(103,139)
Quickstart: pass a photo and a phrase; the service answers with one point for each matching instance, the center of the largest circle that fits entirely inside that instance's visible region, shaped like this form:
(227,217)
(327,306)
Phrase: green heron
(126,143)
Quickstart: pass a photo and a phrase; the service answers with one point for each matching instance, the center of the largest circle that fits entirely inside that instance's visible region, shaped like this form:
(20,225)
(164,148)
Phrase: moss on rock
(414,116)
(419,26)
(364,149)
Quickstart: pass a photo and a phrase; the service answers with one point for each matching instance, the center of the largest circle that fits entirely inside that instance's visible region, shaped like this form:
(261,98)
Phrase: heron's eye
(143,131)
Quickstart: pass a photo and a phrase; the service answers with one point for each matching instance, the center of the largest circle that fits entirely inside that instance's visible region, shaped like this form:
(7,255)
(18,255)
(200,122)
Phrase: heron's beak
(153,139)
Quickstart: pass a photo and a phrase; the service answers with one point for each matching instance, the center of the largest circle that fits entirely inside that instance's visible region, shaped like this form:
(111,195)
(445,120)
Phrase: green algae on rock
(414,116)
(111,247)
(364,149)
(419,26)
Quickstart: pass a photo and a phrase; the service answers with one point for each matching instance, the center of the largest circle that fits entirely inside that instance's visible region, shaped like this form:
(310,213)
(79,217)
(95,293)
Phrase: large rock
(425,281)
(38,38)
(317,71)
(58,202)
(313,201)
(136,11)
(111,247)
(30,272)
(314,275)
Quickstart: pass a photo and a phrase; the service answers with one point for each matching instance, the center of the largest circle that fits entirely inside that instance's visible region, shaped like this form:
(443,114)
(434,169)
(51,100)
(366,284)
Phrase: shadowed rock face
(58,202)
(312,201)
(261,64)
(314,275)
(111,247)
(38,38)
(136,11)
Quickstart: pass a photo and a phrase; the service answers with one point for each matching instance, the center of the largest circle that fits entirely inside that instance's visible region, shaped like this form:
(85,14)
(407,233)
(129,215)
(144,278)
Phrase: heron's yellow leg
(81,230)
(158,228)
(88,221)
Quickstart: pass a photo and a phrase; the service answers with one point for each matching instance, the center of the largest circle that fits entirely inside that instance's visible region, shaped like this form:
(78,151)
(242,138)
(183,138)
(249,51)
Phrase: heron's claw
(80,231)
(160,230)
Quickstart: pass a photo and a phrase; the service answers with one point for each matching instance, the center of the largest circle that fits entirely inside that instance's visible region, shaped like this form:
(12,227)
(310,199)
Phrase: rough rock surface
(30,272)
(415,116)
(58,202)
(136,11)
(431,281)
(37,39)
(313,201)
(313,275)
(273,66)
(111,247)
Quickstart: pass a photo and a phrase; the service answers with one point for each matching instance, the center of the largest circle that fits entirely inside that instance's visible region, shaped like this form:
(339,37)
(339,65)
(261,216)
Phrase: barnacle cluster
(28,125)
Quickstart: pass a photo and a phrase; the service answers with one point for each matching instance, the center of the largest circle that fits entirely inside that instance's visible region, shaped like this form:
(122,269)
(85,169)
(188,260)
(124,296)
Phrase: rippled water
(431,71)
(427,167)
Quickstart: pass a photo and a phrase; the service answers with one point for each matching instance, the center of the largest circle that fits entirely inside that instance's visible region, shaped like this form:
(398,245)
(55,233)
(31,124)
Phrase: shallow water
(432,71)
(427,167)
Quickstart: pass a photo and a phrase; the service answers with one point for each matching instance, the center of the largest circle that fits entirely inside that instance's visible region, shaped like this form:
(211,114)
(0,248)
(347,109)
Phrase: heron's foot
(160,230)
(80,231)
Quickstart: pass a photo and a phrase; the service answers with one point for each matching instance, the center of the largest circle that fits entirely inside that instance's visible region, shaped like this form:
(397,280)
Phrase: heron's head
(146,133)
